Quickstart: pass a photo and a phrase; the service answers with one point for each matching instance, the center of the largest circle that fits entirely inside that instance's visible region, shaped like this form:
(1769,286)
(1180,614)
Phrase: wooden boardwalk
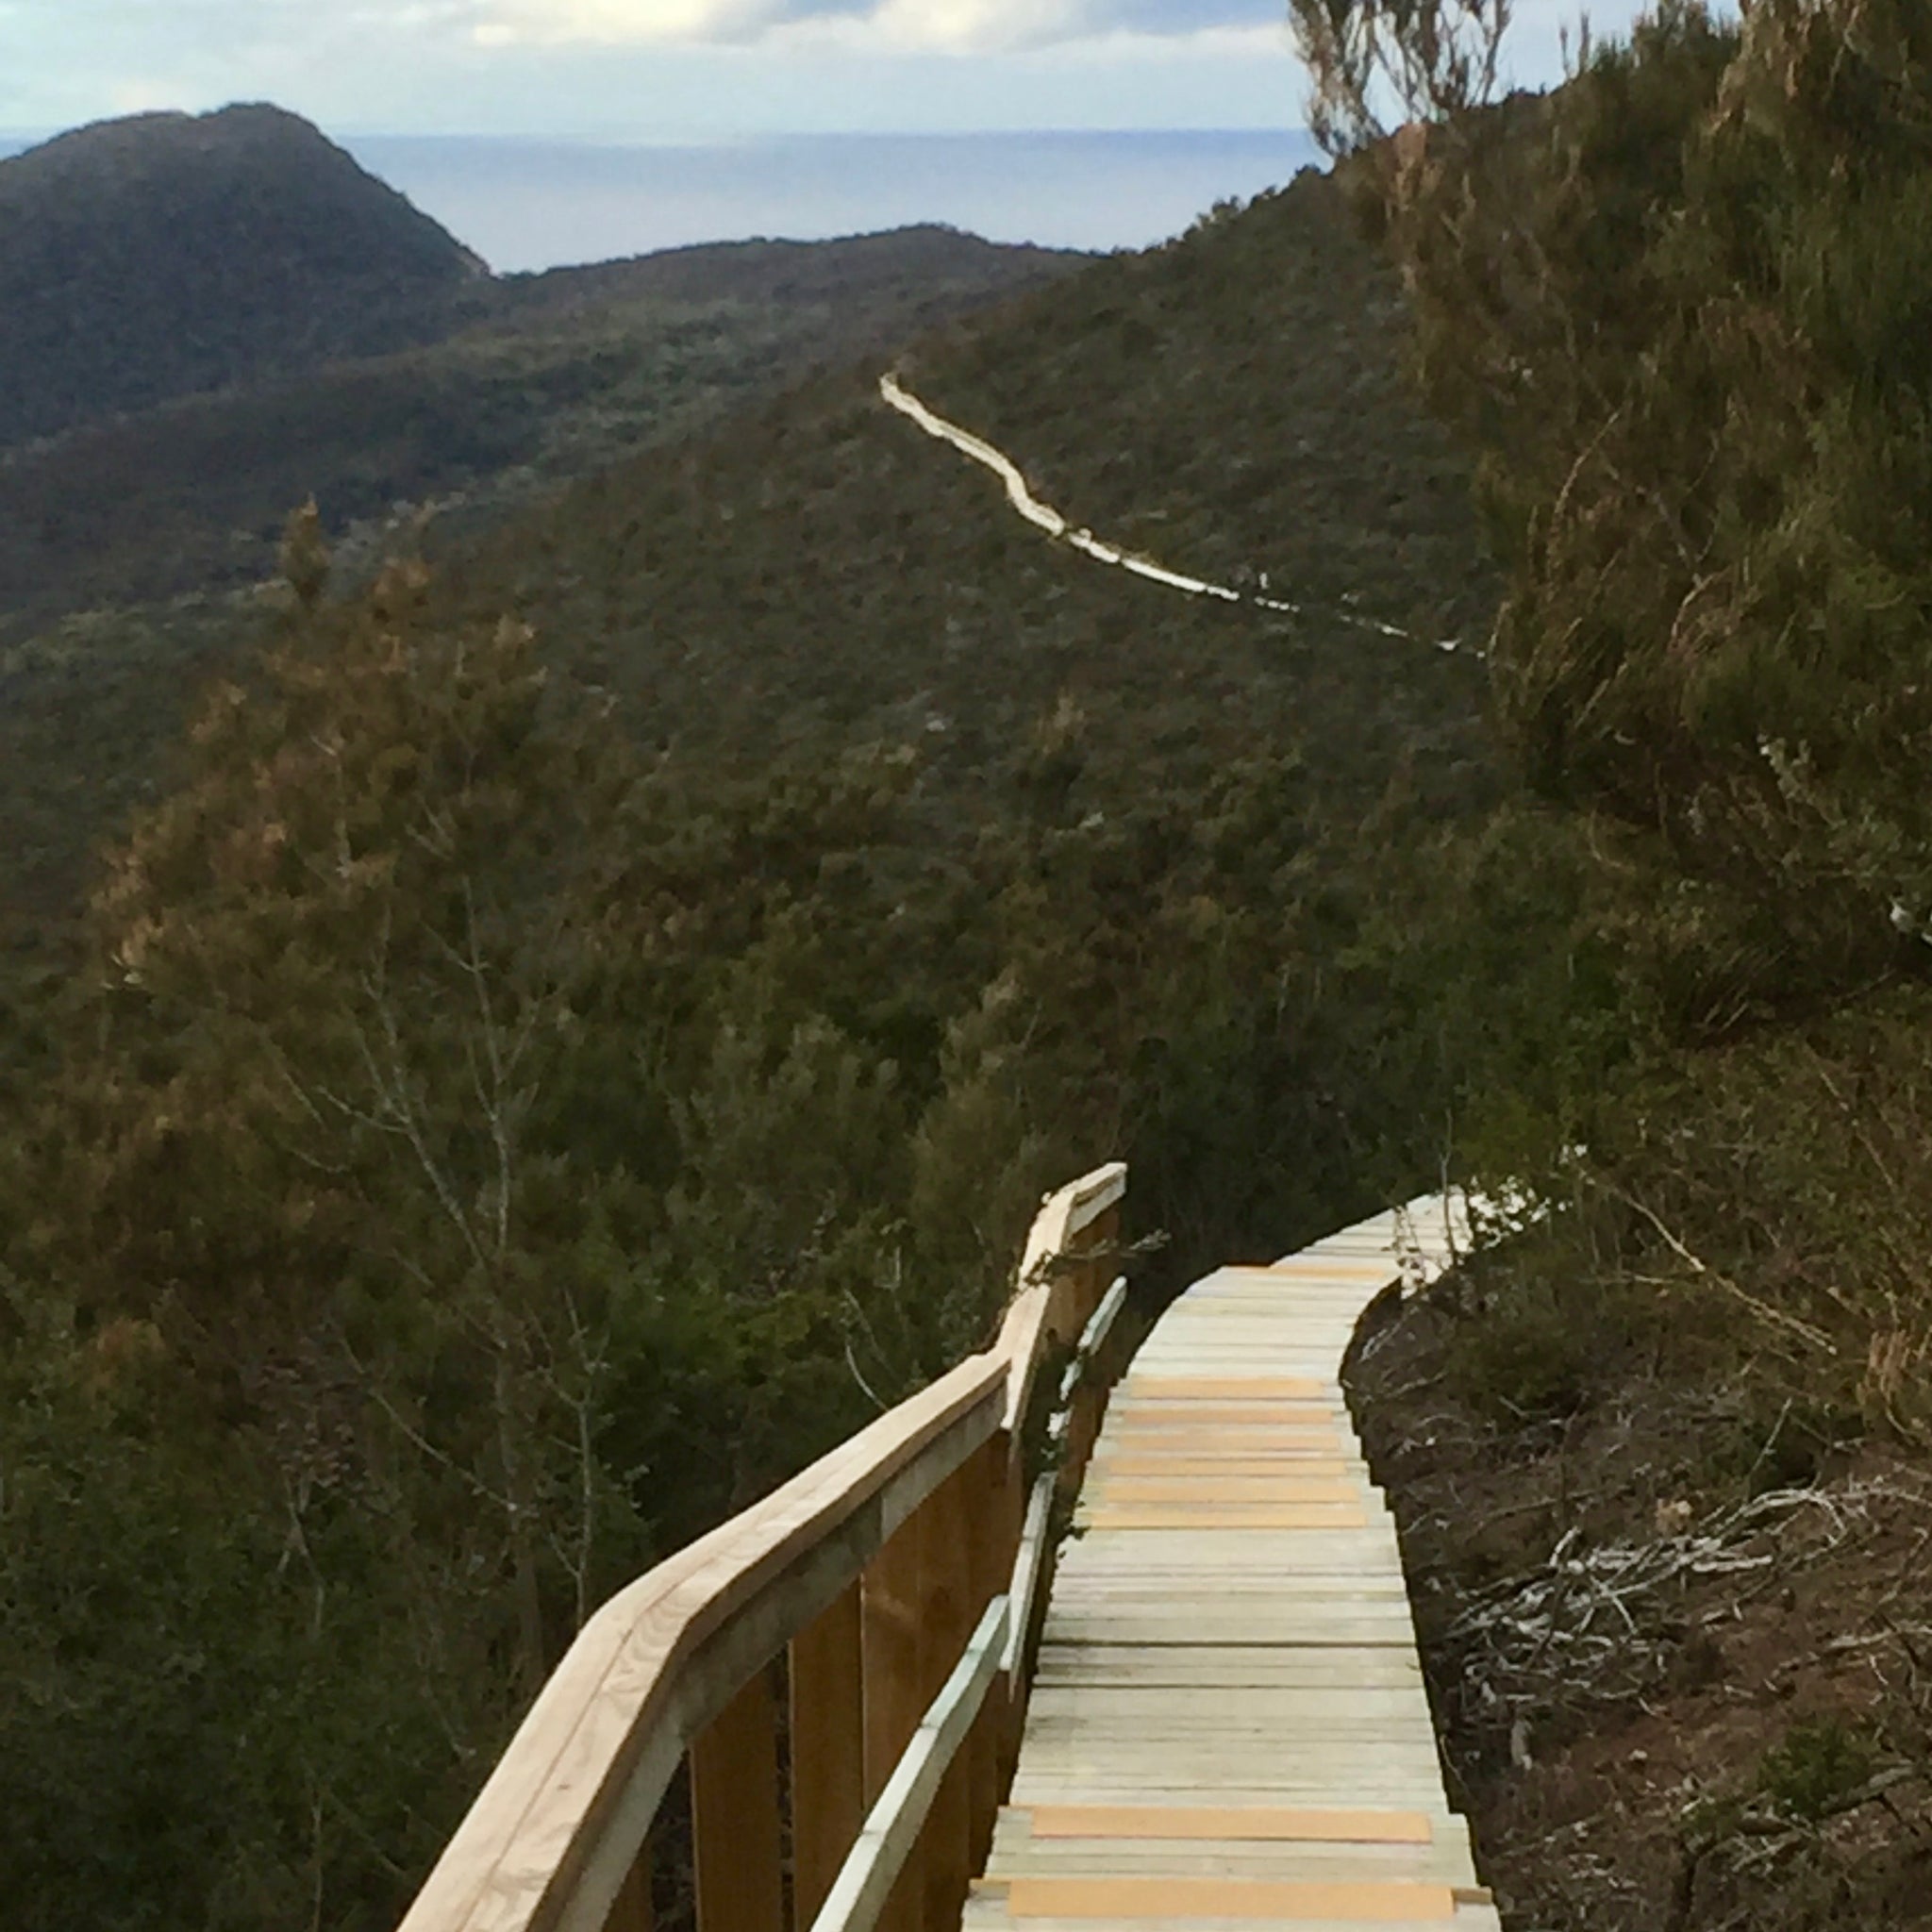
(1227,1725)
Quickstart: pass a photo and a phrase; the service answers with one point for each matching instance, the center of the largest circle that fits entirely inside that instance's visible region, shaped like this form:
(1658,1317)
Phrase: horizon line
(718,137)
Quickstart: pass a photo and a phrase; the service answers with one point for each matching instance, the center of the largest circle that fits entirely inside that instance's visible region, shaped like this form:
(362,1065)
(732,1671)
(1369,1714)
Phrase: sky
(683,71)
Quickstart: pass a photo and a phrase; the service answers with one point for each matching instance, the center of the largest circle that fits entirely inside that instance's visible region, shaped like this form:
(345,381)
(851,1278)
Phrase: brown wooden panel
(828,1751)
(889,1624)
(1175,1822)
(1097,1239)
(894,1691)
(630,1912)
(994,1540)
(734,1795)
(947,1615)
(1364,1903)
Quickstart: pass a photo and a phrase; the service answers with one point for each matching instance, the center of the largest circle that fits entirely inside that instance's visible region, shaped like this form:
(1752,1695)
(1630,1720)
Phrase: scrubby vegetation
(588,1018)
(517,386)
(1676,311)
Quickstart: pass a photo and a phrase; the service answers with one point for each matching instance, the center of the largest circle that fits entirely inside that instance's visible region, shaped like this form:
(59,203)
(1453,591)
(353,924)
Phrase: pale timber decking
(1227,1725)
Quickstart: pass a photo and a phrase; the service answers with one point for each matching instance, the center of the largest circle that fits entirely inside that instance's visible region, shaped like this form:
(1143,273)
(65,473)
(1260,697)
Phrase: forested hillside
(591,1017)
(130,552)
(167,253)
(1663,1460)
(520,384)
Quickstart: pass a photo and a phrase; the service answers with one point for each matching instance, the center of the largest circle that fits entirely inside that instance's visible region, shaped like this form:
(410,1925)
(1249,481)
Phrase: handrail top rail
(520,1852)
(1068,1211)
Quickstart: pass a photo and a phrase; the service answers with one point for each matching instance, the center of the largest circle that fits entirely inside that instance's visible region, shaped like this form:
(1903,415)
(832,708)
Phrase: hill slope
(841,861)
(854,863)
(165,255)
(822,554)
(530,382)
(121,544)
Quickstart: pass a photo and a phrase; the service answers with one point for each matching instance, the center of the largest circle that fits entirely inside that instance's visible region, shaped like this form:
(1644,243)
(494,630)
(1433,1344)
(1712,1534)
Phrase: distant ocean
(535,203)
(530,204)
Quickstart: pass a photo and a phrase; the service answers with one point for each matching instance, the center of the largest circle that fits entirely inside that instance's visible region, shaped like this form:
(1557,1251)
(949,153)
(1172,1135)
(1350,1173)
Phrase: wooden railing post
(828,1791)
(1098,1243)
(895,1697)
(632,1910)
(995,1544)
(736,1845)
(947,1616)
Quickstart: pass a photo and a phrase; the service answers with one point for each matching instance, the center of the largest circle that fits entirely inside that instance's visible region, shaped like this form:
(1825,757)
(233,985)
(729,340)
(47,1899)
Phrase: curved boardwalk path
(1228,1726)
(1042,516)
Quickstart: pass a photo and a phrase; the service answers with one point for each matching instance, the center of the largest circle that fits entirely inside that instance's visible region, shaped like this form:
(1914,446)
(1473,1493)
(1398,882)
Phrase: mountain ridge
(163,255)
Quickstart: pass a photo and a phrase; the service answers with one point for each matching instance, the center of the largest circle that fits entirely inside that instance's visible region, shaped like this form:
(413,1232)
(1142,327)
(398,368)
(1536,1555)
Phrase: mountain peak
(165,254)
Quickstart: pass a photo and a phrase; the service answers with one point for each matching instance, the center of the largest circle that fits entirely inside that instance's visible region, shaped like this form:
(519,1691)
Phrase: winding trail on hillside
(1045,517)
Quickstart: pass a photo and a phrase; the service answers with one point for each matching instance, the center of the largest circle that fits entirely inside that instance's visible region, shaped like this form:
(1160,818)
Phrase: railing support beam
(835,1570)
(947,1616)
(632,1912)
(828,1794)
(734,1803)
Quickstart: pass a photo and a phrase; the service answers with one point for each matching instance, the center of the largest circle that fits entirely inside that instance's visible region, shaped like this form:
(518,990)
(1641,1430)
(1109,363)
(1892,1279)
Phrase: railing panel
(892,1828)
(937,1870)
(632,1912)
(828,1798)
(894,1686)
(551,1840)
(872,1567)
(736,1843)
(995,1544)
(888,1602)
(1053,1300)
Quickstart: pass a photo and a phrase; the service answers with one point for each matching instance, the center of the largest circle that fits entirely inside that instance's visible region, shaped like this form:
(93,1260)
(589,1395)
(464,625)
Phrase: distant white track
(1045,517)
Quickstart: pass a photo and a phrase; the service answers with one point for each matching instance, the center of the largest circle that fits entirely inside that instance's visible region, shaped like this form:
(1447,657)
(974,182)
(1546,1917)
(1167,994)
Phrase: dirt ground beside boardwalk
(1684,1684)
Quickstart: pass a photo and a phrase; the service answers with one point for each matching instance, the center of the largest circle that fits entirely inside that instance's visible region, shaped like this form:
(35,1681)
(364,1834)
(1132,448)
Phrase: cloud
(980,25)
(564,22)
(943,26)
(959,27)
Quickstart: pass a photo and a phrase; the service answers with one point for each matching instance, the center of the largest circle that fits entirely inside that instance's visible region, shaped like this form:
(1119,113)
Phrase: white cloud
(977,25)
(617,23)
(1232,43)
(947,26)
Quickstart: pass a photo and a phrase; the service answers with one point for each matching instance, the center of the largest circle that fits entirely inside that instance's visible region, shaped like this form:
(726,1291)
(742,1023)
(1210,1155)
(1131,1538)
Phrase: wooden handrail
(556,1833)
(1069,1433)
(1040,1308)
